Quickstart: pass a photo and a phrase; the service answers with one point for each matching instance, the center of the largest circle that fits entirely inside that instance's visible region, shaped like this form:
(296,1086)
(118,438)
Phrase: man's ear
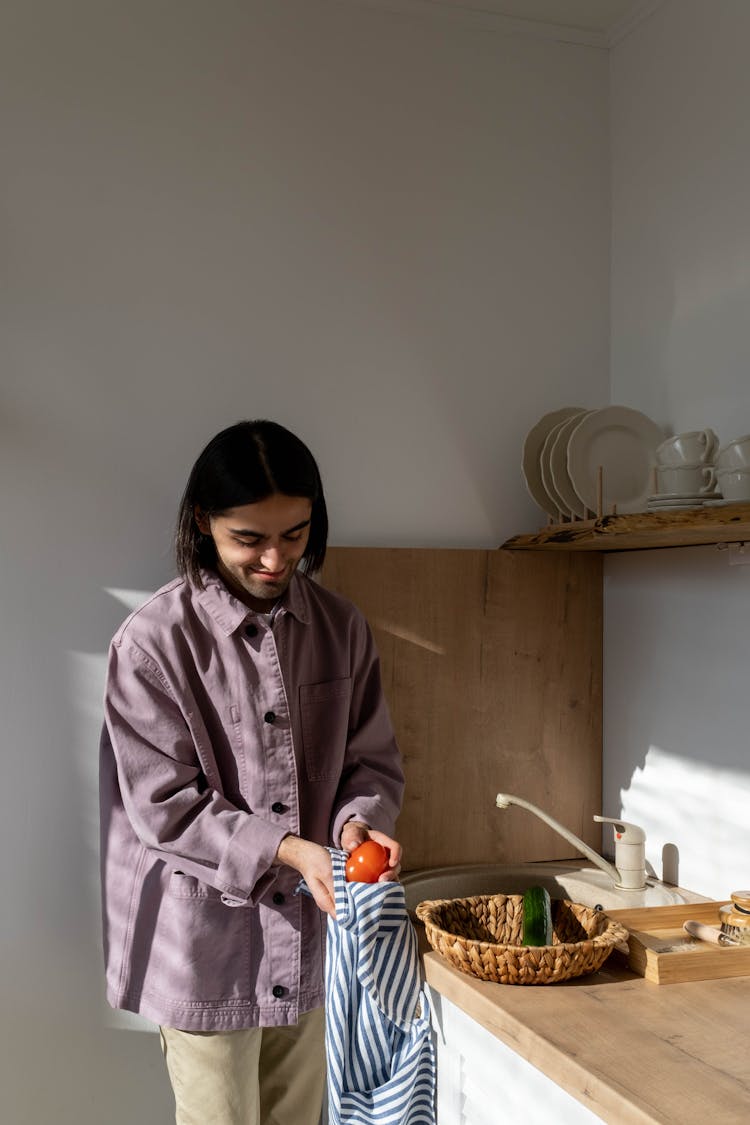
(202,520)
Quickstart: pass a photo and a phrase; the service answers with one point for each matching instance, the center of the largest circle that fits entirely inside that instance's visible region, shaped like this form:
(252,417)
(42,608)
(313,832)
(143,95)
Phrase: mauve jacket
(221,736)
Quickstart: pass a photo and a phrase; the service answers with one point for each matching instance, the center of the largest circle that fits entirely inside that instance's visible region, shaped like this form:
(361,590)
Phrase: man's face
(259,546)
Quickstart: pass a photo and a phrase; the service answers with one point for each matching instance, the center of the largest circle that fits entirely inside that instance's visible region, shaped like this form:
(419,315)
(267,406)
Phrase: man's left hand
(355,833)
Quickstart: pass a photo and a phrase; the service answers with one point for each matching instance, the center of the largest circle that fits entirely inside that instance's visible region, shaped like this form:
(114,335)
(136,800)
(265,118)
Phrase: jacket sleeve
(372,781)
(164,789)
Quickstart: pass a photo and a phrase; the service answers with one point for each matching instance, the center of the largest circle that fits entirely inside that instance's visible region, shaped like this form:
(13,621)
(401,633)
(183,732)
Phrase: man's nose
(272,559)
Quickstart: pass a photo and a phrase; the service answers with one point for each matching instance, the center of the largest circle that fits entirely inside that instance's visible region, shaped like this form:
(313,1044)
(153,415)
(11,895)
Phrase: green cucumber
(537,917)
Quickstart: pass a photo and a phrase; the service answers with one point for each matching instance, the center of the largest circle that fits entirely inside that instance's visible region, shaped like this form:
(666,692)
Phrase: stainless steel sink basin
(578,882)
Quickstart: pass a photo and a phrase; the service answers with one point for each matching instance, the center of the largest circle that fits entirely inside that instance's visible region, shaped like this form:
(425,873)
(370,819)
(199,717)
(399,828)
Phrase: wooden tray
(661,951)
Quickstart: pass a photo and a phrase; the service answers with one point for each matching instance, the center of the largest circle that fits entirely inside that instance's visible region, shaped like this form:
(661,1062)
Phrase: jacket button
(251,630)
(278,991)
(277,807)
(270,717)
(278,898)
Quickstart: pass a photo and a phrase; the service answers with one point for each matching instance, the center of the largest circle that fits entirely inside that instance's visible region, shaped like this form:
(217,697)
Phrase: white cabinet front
(481,1081)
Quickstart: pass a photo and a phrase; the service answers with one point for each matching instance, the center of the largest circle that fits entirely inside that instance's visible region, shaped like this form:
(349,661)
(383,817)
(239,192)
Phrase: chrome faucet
(629,868)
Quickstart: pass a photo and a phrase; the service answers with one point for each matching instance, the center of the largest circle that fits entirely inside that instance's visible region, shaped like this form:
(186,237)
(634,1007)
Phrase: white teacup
(685,480)
(688,448)
(735,454)
(734,484)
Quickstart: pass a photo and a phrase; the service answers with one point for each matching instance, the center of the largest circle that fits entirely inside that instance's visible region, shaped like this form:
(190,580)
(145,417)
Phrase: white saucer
(724,503)
(671,497)
(675,506)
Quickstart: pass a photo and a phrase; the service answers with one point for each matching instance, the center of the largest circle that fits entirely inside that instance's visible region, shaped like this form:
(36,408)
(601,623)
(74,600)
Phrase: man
(245,730)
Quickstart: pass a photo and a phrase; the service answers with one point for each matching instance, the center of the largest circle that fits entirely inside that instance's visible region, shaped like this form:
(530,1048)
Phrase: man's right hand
(314,865)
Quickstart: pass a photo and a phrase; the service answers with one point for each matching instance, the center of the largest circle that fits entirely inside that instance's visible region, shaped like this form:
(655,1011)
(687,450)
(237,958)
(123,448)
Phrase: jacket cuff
(366,809)
(246,868)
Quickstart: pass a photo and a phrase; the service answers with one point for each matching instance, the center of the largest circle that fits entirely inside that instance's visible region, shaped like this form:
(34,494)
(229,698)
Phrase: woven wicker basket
(482,936)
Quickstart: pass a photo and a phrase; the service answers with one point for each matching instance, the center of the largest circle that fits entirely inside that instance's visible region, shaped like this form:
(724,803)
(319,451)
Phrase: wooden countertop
(631,1051)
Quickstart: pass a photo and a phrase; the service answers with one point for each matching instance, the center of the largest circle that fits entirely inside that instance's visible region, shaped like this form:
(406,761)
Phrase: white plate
(558,463)
(724,503)
(532,448)
(545,469)
(623,442)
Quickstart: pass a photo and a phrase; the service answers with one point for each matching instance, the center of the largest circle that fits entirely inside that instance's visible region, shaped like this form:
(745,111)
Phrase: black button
(277,807)
(278,898)
(270,716)
(278,991)
(251,630)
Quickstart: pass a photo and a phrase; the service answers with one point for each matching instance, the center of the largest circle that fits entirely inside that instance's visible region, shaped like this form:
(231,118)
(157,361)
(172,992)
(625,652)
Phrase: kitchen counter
(631,1051)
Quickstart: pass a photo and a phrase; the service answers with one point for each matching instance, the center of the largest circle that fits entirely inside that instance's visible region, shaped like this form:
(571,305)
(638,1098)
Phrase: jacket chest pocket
(324,716)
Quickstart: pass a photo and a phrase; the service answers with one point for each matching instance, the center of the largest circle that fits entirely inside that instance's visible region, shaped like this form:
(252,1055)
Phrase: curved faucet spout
(503,800)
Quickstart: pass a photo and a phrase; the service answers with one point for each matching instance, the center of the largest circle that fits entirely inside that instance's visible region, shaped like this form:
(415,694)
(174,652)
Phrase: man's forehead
(289,513)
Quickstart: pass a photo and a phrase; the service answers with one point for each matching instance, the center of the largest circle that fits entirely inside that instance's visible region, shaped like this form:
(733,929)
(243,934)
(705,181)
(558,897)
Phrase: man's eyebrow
(248,534)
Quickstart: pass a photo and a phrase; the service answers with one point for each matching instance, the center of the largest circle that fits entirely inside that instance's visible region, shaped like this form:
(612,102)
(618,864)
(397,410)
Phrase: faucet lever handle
(625,833)
(630,852)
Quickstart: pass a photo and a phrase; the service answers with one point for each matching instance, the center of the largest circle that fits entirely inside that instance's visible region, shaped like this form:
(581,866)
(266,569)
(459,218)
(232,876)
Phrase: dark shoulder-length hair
(243,464)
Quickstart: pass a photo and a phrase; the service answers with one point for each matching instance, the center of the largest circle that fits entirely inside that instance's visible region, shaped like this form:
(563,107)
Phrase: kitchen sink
(577,881)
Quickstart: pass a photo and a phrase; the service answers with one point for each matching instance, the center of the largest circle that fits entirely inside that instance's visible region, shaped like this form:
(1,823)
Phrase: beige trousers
(259,1076)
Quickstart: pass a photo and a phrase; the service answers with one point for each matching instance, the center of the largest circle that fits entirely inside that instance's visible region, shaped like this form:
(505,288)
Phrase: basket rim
(614,933)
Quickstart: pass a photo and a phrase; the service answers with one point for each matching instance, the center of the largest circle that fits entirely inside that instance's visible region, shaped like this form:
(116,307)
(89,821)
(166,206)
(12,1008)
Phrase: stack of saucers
(685,472)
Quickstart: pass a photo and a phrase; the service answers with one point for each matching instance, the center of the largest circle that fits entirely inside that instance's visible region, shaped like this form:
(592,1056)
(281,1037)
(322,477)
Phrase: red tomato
(367,863)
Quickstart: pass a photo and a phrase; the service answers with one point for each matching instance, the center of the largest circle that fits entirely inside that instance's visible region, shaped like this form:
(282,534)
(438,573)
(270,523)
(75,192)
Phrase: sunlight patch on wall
(407,635)
(131,599)
(698,809)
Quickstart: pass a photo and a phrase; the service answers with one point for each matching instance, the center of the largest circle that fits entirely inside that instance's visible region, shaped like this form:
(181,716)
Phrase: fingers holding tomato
(353,834)
(394,855)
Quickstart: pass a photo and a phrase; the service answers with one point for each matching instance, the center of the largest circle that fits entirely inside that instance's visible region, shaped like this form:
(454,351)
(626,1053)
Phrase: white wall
(677,623)
(389,233)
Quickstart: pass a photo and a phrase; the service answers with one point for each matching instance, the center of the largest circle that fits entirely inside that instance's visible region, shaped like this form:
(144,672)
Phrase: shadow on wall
(695,817)
(677,625)
(86,678)
(74,524)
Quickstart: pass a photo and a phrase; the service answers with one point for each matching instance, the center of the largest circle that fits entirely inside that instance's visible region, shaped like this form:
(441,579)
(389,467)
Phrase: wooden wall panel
(492,666)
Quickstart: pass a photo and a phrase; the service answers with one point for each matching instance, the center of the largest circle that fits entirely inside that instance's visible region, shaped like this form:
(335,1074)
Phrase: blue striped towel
(381,1058)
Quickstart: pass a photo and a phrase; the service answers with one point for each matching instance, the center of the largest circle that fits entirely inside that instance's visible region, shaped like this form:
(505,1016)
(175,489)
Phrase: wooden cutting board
(661,951)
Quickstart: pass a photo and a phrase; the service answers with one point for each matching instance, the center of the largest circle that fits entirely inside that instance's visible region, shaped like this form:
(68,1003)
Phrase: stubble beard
(267,593)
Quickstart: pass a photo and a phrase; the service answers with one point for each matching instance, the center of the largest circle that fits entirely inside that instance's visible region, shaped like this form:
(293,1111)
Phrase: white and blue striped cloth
(381,1058)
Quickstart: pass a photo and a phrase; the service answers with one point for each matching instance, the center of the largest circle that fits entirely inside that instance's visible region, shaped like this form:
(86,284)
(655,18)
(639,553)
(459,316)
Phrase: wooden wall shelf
(642,531)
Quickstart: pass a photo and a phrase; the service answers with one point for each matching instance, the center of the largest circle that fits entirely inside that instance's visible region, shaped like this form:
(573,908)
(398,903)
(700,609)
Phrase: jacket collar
(230,613)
